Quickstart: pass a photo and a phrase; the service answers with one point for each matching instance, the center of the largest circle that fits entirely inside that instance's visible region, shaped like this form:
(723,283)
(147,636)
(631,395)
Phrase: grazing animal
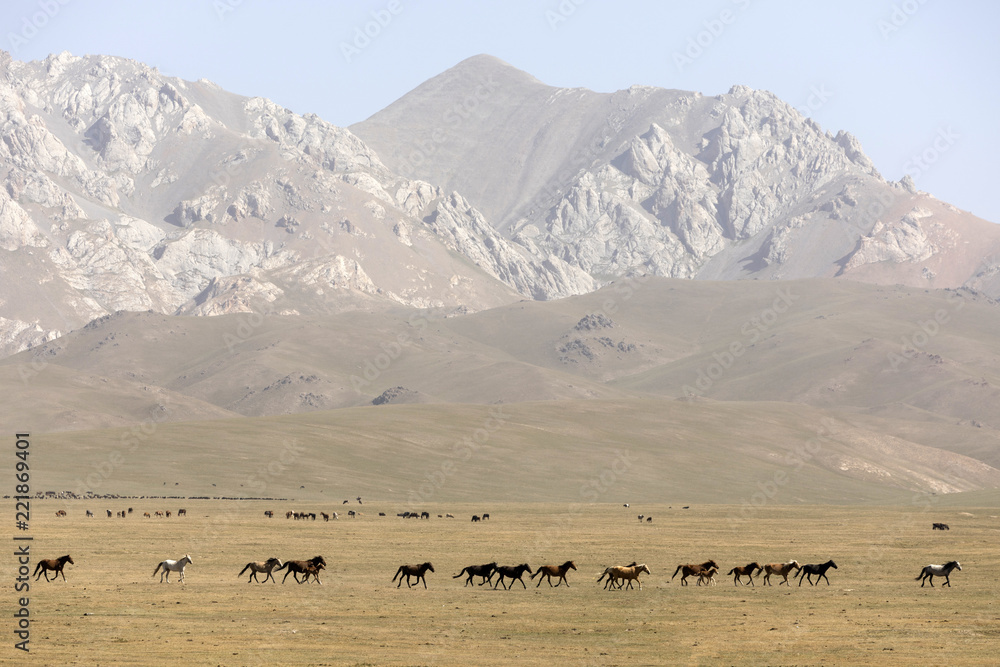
(707,577)
(351,513)
(512,572)
(475,517)
(425,515)
(172,566)
(146,515)
(168,514)
(485,571)
(258,567)
(179,512)
(549,571)
(109,513)
(408,571)
(641,517)
(61,513)
(449,516)
(58,564)
(810,569)
(89,513)
(779,568)
(688,569)
(626,505)
(158,513)
(940,526)
(931,571)
(269,514)
(129,510)
(297,567)
(621,574)
(649,519)
(747,570)
(486,517)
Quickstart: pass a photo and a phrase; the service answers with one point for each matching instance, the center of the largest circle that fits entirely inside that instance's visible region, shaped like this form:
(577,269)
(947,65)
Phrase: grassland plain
(111,611)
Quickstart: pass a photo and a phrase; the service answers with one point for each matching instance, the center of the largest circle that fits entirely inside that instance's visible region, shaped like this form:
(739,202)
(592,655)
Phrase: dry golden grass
(111,611)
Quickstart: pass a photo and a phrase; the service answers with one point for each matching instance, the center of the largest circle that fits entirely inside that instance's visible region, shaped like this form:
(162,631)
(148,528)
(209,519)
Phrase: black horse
(820,570)
(512,572)
(484,571)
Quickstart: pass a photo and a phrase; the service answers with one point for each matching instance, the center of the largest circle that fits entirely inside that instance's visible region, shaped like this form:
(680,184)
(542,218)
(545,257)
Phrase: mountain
(674,183)
(128,190)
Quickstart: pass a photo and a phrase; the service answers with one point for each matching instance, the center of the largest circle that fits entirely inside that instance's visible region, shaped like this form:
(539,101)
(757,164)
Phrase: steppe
(111,611)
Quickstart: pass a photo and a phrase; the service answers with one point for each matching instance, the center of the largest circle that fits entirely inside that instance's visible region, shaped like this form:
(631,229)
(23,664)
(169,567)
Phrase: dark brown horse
(408,571)
(59,563)
(297,567)
(690,569)
(549,571)
(512,572)
(485,571)
(748,570)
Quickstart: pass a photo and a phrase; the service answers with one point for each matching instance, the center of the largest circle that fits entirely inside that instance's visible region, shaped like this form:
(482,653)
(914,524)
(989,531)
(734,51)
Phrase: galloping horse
(779,568)
(258,567)
(172,566)
(417,571)
(690,569)
(622,574)
(58,564)
(808,570)
(932,571)
(484,571)
(514,573)
(297,567)
(747,570)
(549,571)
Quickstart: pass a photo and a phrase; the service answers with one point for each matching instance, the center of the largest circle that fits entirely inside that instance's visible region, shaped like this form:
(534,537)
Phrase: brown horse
(484,571)
(313,571)
(622,574)
(297,567)
(59,563)
(512,572)
(707,577)
(690,569)
(408,571)
(779,568)
(549,571)
(747,570)
(258,567)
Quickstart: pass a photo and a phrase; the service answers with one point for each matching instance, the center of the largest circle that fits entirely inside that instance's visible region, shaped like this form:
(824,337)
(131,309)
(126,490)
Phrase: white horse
(172,566)
(932,571)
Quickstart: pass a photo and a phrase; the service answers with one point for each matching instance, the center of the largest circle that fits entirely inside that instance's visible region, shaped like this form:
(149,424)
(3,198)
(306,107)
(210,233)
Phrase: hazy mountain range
(488,239)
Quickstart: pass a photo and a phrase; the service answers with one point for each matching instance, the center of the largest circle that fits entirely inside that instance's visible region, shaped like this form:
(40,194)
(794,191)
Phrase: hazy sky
(915,80)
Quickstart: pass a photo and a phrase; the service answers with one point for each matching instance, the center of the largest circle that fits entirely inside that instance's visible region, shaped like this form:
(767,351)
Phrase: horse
(408,571)
(475,517)
(779,568)
(747,570)
(61,513)
(297,567)
(269,514)
(89,513)
(624,573)
(313,571)
(932,571)
(940,526)
(808,570)
(707,577)
(486,517)
(258,567)
(514,573)
(57,564)
(179,512)
(172,566)
(485,571)
(689,569)
(549,571)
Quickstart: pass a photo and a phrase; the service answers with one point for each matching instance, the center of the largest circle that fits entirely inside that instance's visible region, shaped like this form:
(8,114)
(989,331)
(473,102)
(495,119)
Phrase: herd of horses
(617,576)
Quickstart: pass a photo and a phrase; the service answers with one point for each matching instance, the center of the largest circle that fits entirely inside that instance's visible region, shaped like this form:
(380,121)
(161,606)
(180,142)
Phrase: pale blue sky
(909,78)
